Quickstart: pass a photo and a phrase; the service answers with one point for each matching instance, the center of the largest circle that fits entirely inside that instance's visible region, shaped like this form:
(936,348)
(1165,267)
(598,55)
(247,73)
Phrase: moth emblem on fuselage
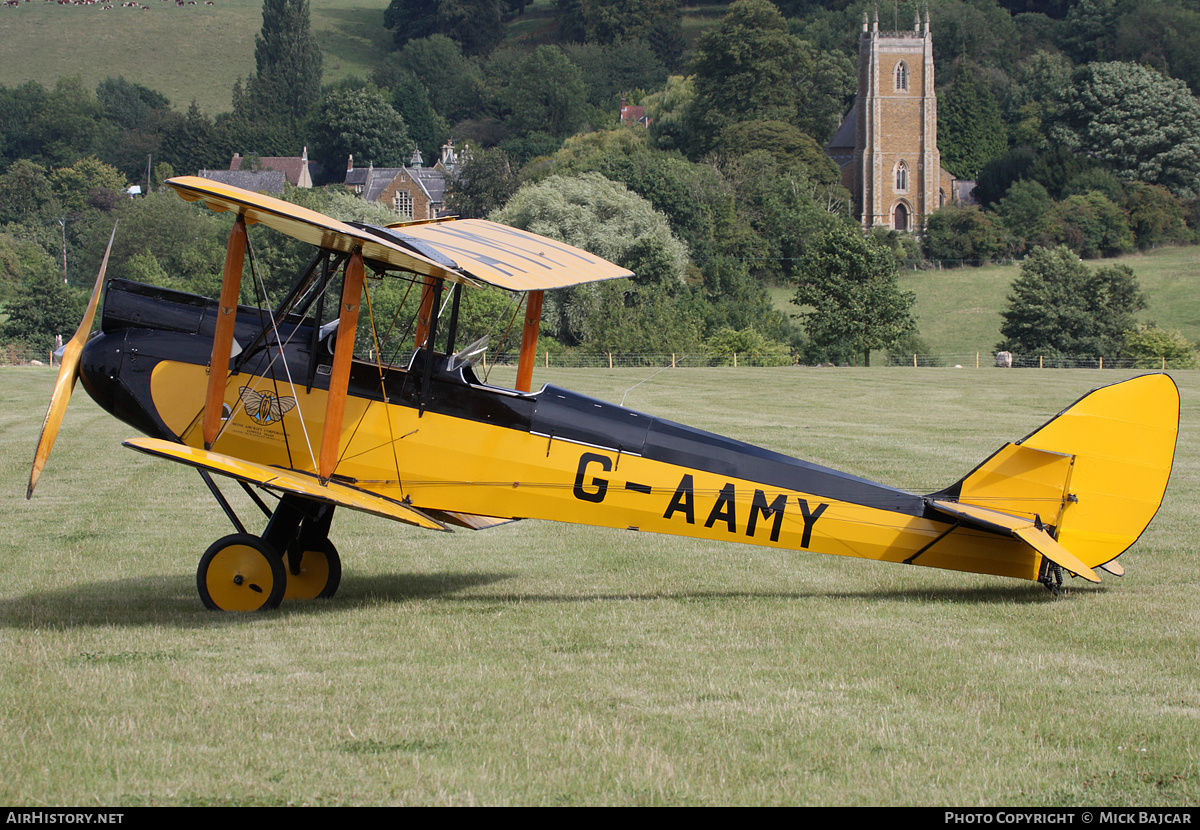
(265,408)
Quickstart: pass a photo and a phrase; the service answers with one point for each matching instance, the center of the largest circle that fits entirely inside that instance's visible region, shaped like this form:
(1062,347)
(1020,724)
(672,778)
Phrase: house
(633,115)
(266,174)
(416,192)
(886,147)
(257,181)
(298,170)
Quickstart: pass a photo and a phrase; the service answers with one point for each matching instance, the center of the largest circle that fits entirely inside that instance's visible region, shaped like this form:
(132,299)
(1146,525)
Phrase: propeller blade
(68,373)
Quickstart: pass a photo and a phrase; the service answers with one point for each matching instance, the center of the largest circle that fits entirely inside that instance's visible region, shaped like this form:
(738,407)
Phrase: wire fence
(16,356)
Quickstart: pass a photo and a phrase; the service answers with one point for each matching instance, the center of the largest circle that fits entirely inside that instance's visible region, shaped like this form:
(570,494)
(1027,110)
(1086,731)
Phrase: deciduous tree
(850,298)
(1059,306)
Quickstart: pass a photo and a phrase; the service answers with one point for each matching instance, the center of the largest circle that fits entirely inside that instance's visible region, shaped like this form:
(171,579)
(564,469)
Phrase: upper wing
(308,225)
(464,250)
(502,256)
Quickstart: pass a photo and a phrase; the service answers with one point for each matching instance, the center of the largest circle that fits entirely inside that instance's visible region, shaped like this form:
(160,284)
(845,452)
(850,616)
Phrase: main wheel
(241,573)
(318,575)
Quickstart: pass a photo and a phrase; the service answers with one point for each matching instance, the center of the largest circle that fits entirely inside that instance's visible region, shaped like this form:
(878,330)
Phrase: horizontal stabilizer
(1004,524)
(286,481)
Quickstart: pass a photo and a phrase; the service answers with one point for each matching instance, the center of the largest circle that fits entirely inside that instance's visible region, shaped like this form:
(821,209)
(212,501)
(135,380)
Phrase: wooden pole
(339,377)
(529,337)
(218,364)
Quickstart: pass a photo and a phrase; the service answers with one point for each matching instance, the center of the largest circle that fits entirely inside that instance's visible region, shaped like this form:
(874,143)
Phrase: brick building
(414,192)
(886,146)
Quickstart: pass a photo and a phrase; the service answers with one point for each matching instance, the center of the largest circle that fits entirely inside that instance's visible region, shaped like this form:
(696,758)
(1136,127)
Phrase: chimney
(350,163)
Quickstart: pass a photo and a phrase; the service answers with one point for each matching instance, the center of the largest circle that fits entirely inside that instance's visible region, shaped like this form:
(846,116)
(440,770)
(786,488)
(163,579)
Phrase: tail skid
(1081,489)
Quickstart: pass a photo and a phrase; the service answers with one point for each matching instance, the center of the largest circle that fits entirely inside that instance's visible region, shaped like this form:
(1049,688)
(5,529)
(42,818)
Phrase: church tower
(887,145)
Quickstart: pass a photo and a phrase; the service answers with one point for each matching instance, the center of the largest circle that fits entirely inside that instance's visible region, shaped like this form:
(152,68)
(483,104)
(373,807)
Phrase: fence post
(735,360)
(1039,361)
(1164,363)
(976,360)
(610,360)
(672,360)
(1101,361)
(914,361)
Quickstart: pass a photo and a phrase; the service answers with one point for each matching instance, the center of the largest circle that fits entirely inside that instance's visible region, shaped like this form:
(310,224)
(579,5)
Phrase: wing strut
(529,338)
(425,313)
(343,352)
(218,367)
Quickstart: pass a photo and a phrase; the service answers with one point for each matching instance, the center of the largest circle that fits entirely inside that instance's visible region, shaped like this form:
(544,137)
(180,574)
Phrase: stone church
(886,146)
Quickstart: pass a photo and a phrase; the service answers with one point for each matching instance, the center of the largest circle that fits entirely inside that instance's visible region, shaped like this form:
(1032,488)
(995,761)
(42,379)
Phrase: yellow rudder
(1095,474)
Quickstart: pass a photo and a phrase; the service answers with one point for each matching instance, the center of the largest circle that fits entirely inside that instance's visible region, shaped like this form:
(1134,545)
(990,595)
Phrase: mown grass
(542,663)
(185,52)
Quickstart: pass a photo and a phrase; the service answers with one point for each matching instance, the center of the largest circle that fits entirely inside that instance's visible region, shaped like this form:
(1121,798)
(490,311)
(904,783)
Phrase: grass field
(959,309)
(184,52)
(541,663)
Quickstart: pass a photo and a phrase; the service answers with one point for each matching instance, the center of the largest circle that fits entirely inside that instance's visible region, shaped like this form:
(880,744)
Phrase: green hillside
(959,310)
(184,52)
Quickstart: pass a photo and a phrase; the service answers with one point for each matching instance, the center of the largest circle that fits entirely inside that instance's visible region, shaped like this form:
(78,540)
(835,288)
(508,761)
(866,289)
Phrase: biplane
(280,401)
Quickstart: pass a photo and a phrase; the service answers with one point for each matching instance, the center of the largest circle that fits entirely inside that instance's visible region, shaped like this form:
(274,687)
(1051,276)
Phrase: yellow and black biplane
(277,400)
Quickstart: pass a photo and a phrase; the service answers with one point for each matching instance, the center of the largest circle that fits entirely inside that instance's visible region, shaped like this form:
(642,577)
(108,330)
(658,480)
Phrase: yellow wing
(465,250)
(506,257)
(286,481)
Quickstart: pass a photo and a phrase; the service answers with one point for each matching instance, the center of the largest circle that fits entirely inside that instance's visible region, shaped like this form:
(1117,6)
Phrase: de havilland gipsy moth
(278,400)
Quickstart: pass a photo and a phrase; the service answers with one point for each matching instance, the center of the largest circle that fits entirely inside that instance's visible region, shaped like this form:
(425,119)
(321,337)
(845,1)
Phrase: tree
(1091,225)
(473,24)
(605,218)
(1060,307)
(748,68)
(1025,211)
(547,94)
(428,129)
(87,183)
(851,298)
(359,122)
(42,307)
(25,194)
(613,21)
(288,62)
(1141,125)
(454,82)
(970,130)
(485,182)
(962,233)
(1150,347)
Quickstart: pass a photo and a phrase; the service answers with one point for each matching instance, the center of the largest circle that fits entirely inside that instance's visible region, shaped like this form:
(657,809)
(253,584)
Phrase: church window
(902,177)
(902,77)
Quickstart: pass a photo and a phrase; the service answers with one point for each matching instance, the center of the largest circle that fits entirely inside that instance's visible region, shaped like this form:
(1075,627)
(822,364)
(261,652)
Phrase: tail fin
(1094,476)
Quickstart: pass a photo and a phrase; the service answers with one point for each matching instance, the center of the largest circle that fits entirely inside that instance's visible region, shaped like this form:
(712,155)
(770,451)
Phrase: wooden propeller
(68,373)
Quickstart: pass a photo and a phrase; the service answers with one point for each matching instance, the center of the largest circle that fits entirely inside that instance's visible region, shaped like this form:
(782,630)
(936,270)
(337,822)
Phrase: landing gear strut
(1051,576)
(293,559)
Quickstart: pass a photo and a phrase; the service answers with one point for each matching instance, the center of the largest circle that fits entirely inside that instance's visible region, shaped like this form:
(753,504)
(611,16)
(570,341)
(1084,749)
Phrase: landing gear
(1051,576)
(312,573)
(241,573)
(293,559)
